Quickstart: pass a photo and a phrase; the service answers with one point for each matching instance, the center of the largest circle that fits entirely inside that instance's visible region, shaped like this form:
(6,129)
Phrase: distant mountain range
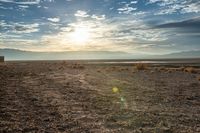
(184,54)
(13,54)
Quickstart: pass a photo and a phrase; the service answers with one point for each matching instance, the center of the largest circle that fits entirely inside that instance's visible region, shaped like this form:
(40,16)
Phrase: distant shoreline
(118,60)
(124,62)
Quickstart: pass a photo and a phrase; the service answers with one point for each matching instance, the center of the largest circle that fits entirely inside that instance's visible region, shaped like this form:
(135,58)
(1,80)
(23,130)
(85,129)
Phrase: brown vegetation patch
(190,70)
(141,66)
(179,69)
(77,66)
(176,69)
(169,71)
(152,72)
(124,69)
(98,71)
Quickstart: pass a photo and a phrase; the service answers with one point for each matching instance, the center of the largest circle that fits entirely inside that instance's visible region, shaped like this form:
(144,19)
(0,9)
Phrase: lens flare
(122,99)
(115,90)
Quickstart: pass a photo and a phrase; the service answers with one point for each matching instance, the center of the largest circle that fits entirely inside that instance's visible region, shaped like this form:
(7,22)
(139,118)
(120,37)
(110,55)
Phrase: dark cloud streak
(191,23)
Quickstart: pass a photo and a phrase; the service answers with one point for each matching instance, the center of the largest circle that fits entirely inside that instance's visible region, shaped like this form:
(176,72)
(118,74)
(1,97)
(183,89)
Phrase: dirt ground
(66,97)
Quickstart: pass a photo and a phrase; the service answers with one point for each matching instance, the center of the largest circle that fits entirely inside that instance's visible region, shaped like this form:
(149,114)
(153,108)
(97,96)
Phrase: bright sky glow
(80,36)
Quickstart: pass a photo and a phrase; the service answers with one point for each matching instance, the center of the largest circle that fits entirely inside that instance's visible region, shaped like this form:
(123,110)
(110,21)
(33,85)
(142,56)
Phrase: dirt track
(64,97)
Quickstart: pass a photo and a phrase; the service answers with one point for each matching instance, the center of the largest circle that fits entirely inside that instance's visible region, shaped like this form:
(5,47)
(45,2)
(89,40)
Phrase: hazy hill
(185,54)
(13,54)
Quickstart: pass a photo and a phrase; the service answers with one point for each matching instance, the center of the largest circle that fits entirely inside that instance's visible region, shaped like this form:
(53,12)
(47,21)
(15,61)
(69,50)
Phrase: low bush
(190,70)
(141,66)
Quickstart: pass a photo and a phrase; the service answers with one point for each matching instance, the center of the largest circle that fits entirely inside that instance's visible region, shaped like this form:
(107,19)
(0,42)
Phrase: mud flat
(74,97)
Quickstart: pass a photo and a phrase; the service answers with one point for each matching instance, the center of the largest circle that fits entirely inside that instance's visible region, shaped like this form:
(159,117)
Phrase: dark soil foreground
(57,97)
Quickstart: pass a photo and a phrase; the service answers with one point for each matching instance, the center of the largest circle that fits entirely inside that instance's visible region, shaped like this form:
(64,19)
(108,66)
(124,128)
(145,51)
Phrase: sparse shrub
(169,71)
(141,66)
(64,63)
(190,70)
(81,67)
(98,71)
(152,72)
(77,66)
(165,69)
(162,69)
(181,68)
(173,69)
(61,67)
(113,68)
(124,69)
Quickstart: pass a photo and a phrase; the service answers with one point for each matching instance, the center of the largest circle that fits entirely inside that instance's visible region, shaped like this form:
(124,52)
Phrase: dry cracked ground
(65,97)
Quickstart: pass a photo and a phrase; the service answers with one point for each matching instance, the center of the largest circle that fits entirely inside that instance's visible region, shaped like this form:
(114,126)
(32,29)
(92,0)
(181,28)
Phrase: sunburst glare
(81,35)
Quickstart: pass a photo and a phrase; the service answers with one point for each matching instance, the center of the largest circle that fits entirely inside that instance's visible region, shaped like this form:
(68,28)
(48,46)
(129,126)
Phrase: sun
(80,35)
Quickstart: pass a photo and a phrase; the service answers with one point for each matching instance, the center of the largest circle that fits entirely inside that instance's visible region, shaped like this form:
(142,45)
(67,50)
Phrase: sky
(132,26)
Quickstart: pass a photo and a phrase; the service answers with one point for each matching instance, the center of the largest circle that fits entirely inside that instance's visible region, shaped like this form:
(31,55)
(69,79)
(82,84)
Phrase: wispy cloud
(26,28)
(127,8)
(19,28)
(80,13)
(176,6)
(101,17)
(191,23)
(55,20)
(25,2)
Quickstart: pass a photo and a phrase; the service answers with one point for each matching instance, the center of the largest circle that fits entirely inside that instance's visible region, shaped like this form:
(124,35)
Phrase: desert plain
(83,97)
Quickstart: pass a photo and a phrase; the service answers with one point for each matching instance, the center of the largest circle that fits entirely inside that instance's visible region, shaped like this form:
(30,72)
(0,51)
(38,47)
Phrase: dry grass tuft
(177,69)
(77,66)
(181,68)
(169,71)
(64,63)
(141,66)
(113,68)
(190,70)
(152,72)
(124,69)
(160,69)
(98,71)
